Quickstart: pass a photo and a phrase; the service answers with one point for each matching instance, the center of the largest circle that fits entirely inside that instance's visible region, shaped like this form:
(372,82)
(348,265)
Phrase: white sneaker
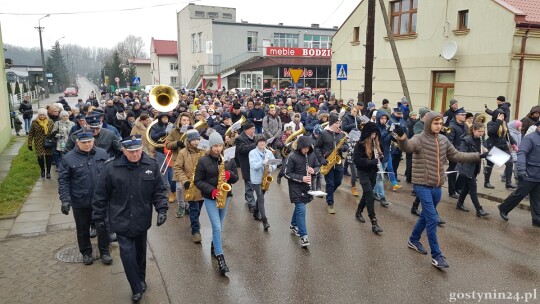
(304,241)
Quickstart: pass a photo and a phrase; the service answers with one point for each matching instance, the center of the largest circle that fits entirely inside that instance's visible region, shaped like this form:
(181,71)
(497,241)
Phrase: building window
(317,41)
(252,41)
(403,16)
(442,90)
(200,44)
(285,40)
(173,80)
(213,15)
(193,43)
(356,34)
(251,80)
(173,66)
(227,16)
(463,22)
(199,14)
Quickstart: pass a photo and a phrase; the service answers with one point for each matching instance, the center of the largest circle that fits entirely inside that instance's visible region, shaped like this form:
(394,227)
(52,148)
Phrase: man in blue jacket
(78,175)
(528,173)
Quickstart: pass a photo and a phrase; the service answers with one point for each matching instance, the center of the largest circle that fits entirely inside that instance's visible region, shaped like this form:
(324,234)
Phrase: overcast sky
(105,29)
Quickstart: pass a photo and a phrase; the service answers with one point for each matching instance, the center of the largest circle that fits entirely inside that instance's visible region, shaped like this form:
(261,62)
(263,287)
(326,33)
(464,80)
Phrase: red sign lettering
(305,73)
(298,52)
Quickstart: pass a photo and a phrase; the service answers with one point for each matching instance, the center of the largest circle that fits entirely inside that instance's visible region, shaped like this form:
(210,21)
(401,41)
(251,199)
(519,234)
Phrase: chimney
(315,25)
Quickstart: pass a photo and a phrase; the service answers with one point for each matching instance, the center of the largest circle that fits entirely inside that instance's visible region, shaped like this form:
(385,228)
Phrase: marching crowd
(119,156)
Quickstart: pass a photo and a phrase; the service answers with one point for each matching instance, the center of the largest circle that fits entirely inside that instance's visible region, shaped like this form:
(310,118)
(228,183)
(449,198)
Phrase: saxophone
(334,158)
(222,186)
(266,178)
(189,194)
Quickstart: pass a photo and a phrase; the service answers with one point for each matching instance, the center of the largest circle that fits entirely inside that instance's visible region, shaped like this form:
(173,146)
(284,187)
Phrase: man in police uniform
(78,175)
(104,138)
(129,185)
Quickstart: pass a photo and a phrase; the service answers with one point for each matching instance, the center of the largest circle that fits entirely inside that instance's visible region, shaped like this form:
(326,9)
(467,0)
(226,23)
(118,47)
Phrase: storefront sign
(305,73)
(298,52)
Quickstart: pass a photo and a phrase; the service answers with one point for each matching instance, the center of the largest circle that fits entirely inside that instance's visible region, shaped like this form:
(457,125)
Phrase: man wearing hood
(301,165)
(245,142)
(530,119)
(457,129)
(499,136)
(431,151)
(501,105)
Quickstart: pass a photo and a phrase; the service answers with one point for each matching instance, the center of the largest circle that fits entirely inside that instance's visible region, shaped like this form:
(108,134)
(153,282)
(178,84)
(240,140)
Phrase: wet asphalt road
(346,262)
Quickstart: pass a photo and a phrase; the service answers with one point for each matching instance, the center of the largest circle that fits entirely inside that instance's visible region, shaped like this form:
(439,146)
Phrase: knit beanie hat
(192,135)
(215,139)
(423,112)
(332,119)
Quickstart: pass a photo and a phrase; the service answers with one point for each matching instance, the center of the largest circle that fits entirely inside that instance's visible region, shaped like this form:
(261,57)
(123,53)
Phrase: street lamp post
(40,29)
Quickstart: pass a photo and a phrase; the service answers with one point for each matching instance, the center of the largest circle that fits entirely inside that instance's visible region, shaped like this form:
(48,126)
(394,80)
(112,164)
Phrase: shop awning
(284,61)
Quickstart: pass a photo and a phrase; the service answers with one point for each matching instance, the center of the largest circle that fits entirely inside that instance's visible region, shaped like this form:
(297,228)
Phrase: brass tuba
(201,124)
(229,130)
(482,118)
(222,186)
(164,98)
(160,143)
(290,139)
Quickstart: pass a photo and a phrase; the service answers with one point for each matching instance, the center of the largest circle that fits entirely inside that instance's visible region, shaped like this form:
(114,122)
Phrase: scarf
(44,123)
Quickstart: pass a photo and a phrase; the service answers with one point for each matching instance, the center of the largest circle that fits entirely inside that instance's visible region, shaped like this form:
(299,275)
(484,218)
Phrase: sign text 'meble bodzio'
(298,52)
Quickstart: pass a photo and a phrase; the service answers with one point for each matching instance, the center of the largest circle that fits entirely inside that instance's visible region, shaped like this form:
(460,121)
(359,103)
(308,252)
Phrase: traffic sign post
(295,75)
(341,69)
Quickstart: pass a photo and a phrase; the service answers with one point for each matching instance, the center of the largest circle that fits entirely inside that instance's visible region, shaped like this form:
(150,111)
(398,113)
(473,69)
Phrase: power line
(99,11)
(329,16)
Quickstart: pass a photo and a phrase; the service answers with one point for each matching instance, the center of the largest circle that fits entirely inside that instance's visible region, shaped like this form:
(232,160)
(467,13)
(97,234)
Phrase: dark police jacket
(105,140)
(129,194)
(78,175)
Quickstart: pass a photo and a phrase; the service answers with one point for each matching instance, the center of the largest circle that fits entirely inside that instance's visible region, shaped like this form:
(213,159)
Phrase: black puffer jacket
(207,174)
(129,194)
(469,144)
(105,140)
(504,107)
(326,143)
(78,175)
(244,145)
(360,157)
(498,133)
(26,110)
(296,168)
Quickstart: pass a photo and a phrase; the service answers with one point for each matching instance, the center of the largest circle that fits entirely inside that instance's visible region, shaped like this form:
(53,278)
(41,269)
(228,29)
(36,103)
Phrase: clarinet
(484,165)
(307,167)
(376,154)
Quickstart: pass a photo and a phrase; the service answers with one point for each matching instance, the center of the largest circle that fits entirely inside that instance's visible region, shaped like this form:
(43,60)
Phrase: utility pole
(395,53)
(370,50)
(45,80)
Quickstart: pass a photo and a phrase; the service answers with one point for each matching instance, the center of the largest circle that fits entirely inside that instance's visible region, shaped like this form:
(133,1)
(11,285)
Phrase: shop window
(403,16)
(285,40)
(463,20)
(252,41)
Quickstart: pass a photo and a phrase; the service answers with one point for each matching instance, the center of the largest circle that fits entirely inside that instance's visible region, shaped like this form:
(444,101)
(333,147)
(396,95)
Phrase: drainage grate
(71,254)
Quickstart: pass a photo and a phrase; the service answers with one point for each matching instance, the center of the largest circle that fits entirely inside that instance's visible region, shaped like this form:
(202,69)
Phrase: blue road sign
(136,80)
(341,71)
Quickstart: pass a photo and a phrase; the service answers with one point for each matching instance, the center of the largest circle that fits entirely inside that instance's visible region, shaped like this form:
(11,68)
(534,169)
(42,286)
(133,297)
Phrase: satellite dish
(449,50)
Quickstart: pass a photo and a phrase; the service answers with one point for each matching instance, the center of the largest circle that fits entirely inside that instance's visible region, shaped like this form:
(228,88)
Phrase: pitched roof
(164,47)
(529,8)
(139,61)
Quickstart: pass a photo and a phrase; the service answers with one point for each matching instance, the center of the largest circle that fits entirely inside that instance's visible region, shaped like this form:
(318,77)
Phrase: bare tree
(133,47)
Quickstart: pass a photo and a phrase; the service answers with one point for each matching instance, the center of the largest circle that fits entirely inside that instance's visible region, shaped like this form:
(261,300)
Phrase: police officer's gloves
(30,148)
(100,226)
(521,175)
(161,218)
(484,155)
(65,208)
(186,185)
(399,130)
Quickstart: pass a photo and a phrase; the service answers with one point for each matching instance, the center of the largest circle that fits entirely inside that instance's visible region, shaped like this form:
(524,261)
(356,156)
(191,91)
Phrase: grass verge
(19,182)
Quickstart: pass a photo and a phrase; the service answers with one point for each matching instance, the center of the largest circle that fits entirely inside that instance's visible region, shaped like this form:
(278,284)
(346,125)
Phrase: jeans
(524,188)
(367,180)
(299,218)
(333,181)
(194,213)
(27,124)
(396,158)
(216,217)
(133,255)
(379,186)
(83,218)
(258,129)
(429,198)
(469,187)
(180,195)
(354,174)
(250,198)
(260,200)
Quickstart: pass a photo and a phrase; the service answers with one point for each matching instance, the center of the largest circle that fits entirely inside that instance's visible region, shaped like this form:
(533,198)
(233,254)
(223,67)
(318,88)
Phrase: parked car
(71,91)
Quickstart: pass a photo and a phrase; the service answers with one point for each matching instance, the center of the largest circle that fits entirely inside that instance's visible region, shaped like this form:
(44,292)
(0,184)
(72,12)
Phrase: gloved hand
(214,193)
(30,148)
(161,218)
(100,226)
(344,149)
(324,162)
(399,130)
(186,185)
(484,155)
(65,208)
(521,175)
(227,175)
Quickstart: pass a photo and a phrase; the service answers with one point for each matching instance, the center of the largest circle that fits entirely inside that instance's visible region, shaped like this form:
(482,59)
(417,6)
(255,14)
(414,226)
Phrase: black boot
(42,173)
(212,252)
(256,215)
(266,225)
(48,175)
(480,213)
(375,227)
(222,265)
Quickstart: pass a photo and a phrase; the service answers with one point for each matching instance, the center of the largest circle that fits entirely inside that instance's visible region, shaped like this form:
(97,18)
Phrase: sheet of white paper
(364,119)
(450,172)
(316,193)
(392,127)
(203,144)
(498,157)
(445,119)
(236,126)
(274,162)
(354,135)
(229,153)
(270,140)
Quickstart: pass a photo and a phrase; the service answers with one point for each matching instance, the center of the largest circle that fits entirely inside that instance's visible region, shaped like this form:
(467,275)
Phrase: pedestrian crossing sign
(341,71)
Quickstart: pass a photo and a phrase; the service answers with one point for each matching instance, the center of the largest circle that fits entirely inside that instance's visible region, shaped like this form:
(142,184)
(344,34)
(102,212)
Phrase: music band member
(129,186)
(79,172)
(300,167)
(211,175)
(244,144)
(258,164)
(184,171)
(325,145)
